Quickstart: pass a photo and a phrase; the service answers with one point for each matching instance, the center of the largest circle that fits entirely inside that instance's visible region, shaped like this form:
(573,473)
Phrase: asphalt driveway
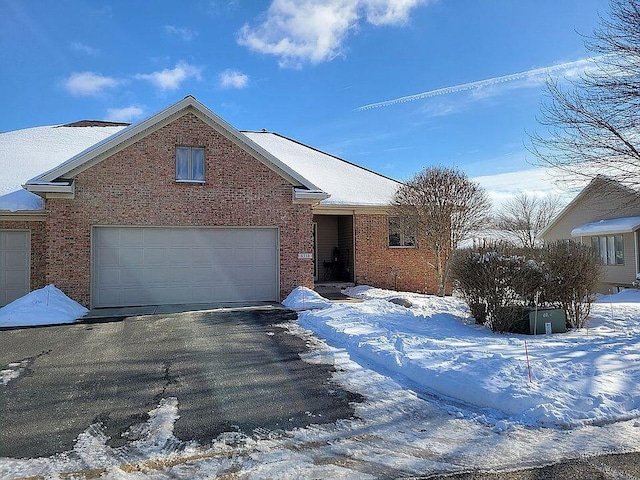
(229,370)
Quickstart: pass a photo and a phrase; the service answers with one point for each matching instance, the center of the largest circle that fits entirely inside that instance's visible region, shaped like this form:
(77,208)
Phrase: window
(610,249)
(189,164)
(402,232)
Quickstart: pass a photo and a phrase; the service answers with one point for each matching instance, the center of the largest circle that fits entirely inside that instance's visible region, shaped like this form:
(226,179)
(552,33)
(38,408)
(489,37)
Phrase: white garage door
(178,265)
(14,264)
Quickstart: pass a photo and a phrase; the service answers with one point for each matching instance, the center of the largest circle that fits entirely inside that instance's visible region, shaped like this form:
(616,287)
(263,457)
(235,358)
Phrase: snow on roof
(21,200)
(604,227)
(348,184)
(29,152)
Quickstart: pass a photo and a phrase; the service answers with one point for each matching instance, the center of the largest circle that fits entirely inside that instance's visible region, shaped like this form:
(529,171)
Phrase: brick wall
(404,269)
(38,248)
(137,186)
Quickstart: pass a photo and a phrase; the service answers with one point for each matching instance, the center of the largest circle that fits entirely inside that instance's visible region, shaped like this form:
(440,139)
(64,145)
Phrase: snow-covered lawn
(441,395)
(583,377)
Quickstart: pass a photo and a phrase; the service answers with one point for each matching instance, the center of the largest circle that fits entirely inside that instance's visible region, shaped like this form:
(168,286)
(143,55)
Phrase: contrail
(536,72)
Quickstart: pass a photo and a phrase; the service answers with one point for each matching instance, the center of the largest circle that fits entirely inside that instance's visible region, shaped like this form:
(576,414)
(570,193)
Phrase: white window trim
(189,180)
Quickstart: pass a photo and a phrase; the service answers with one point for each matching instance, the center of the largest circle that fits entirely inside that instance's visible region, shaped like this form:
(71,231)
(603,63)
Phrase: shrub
(572,275)
(498,284)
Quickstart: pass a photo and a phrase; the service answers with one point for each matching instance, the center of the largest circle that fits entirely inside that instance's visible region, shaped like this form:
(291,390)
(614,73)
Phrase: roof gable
(131,134)
(602,184)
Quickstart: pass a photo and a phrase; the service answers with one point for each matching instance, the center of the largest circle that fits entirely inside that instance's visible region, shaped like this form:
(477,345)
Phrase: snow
(303,298)
(21,200)
(582,378)
(29,152)
(348,184)
(604,227)
(46,306)
(402,429)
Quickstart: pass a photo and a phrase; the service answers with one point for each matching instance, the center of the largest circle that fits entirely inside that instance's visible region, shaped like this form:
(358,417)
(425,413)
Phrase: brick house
(183,208)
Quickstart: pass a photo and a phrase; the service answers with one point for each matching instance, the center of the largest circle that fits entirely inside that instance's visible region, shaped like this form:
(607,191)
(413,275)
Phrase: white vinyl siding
(179,265)
(190,164)
(15,264)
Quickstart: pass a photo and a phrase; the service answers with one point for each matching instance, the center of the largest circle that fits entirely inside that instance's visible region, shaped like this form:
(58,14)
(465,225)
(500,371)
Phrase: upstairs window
(610,249)
(190,164)
(402,232)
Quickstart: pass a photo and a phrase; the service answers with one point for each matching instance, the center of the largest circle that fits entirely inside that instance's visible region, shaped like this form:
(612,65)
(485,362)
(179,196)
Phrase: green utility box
(547,320)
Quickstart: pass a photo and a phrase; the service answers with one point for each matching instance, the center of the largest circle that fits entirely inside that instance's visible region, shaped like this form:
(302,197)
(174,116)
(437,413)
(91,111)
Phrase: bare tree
(524,216)
(594,126)
(445,207)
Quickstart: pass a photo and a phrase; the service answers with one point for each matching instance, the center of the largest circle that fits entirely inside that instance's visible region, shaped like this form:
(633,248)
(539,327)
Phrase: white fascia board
(309,196)
(129,132)
(51,187)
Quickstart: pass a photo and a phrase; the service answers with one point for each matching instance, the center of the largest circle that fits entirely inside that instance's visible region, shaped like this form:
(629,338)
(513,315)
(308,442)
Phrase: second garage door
(178,265)
(14,264)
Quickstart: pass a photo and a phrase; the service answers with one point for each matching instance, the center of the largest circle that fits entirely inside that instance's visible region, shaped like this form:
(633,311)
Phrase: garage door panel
(15,267)
(109,277)
(153,238)
(179,256)
(242,256)
(262,274)
(107,237)
(16,258)
(17,277)
(16,240)
(157,276)
(107,256)
(159,265)
(155,256)
(132,256)
(264,256)
(131,237)
(131,277)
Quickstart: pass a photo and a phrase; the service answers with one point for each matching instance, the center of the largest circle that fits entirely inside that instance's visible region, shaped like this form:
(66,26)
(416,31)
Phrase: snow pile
(303,298)
(583,377)
(21,200)
(628,295)
(45,306)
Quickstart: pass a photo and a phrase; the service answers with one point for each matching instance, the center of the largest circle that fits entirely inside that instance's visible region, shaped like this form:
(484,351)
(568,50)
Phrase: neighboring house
(605,215)
(183,208)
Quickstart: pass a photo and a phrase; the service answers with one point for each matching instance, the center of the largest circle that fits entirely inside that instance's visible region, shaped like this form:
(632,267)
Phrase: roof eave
(134,130)
(309,196)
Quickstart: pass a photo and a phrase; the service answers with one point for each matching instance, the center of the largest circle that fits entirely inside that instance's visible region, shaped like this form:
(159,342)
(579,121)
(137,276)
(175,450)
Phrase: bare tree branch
(446,208)
(524,217)
(593,128)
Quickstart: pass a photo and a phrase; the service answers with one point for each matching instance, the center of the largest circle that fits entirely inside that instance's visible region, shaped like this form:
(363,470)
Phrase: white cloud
(300,31)
(233,79)
(496,85)
(171,79)
(389,12)
(83,48)
(183,32)
(126,114)
(89,83)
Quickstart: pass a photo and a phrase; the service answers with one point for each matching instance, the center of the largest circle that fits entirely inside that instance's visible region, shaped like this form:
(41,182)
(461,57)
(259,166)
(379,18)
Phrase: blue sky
(324,73)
